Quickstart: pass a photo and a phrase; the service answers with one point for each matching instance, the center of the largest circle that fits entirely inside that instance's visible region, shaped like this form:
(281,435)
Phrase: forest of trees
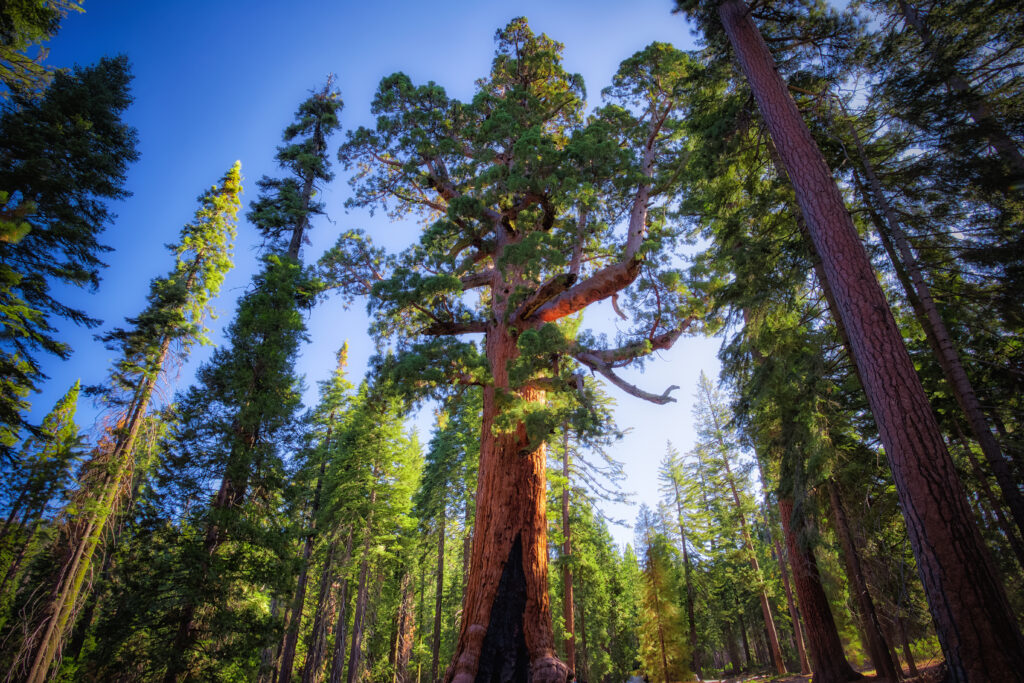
(837,195)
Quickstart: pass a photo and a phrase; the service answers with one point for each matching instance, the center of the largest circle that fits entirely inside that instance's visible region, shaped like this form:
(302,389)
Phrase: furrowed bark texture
(937,334)
(827,656)
(978,632)
(506,605)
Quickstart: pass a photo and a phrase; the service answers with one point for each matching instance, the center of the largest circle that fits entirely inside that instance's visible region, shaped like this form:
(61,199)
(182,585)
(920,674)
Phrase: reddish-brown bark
(507,588)
(978,632)
(341,618)
(404,638)
(827,656)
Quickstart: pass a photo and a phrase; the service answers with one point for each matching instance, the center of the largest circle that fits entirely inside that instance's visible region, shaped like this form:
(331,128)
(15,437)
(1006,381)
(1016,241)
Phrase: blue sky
(217,81)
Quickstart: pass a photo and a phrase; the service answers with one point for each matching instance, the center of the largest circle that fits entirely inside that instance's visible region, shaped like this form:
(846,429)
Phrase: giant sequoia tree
(533,211)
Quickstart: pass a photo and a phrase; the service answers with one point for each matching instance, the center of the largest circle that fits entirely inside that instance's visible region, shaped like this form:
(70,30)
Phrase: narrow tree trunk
(341,619)
(878,648)
(73,576)
(506,623)
(977,107)
(692,622)
(977,630)
(830,665)
(362,597)
(730,648)
(292,637)
(766,610)
(435,647)
(229,495)
(794,615)
(907,654)
(318,638)
(568,606)
(406,628)
(584,653)
(743,634)
(983,486)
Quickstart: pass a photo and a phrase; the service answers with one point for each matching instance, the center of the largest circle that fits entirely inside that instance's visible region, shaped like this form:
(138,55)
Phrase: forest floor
(928,674)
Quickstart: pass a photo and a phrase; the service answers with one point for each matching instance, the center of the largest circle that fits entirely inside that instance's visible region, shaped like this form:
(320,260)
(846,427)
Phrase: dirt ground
(933,673)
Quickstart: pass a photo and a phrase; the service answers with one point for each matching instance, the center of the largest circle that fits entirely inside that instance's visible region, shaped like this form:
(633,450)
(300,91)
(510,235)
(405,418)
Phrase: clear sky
(219,81)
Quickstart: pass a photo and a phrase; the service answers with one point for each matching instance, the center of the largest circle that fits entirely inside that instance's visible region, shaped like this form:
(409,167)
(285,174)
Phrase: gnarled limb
(623,354)
(552,288)
(597,365)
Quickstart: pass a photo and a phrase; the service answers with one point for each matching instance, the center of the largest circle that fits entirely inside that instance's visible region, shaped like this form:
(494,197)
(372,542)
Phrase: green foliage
(63,157)
(180,301)
(509,186)
(664,643)
(284,206)
(25,24)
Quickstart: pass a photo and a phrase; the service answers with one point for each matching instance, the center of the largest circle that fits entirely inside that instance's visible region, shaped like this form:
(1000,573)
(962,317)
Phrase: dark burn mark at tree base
(503,656)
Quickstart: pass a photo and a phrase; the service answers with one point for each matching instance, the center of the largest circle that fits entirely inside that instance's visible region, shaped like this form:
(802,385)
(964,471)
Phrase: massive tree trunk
(978,632)
(830,665)
(506,633)
(568,605)
(878,648)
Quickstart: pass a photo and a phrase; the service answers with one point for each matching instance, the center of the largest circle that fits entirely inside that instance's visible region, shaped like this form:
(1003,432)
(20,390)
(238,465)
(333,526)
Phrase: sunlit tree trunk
(506,625)
(829,660)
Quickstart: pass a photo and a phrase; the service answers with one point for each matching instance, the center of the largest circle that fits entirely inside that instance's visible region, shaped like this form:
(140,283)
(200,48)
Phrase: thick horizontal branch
(552,288)
(441,328)
(478,279)
(617,276)
(600,285)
